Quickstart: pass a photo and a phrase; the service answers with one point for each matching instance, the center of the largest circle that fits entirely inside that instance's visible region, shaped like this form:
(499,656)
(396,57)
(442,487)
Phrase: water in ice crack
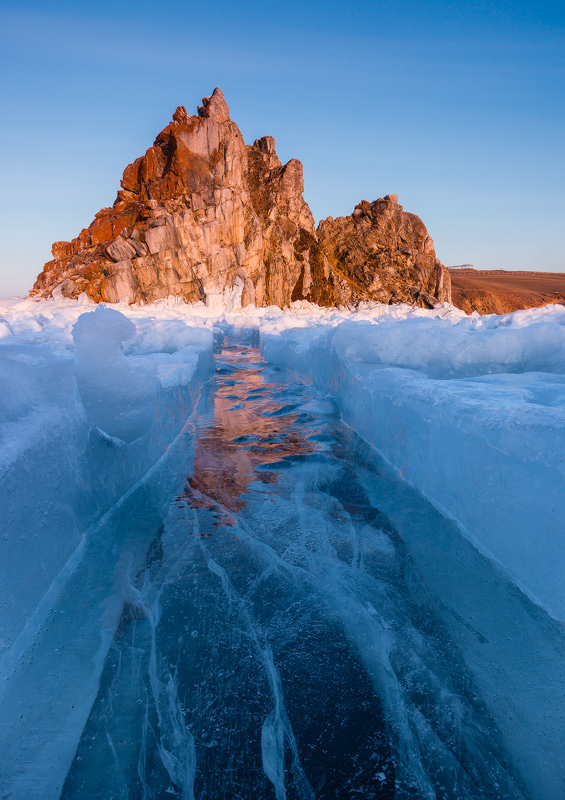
(282,642)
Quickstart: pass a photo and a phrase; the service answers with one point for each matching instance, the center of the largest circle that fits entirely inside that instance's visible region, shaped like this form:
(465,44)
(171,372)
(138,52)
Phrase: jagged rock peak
(384,252)
(181,116)
(203,216)
(215,107)
(266,145)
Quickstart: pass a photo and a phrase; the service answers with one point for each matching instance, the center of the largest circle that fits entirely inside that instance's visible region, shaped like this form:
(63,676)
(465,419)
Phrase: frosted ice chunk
(165,336)
(443,350)
(119,395)
(5,329)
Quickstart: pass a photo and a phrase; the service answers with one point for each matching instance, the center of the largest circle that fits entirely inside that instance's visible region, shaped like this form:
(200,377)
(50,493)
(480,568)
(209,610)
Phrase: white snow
(470,409)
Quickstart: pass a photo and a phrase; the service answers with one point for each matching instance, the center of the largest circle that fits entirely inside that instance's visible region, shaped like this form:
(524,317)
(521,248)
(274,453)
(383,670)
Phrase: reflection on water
(280,643)
(251,427)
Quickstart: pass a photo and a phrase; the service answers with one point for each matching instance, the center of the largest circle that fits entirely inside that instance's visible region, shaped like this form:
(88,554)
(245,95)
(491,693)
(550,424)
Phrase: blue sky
(459,108)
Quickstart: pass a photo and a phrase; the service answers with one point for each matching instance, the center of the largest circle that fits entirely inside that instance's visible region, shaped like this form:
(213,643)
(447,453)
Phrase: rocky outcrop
(384,253)
(203,216)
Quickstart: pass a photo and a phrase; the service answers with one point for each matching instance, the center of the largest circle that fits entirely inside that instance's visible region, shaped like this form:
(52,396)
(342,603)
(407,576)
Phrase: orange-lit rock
(385,252)
(203,216)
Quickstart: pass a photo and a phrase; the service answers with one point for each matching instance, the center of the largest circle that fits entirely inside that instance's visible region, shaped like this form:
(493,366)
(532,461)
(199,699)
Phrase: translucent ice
(119,395)
(467,422)
(298,591)
(69,449)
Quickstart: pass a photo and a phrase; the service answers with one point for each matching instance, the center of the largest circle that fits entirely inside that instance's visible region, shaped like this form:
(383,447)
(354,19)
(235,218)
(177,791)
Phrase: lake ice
(324,559)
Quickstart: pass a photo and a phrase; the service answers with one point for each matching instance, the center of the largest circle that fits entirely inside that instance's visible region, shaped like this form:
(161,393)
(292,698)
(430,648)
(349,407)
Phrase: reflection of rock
(242,438)
(202,216)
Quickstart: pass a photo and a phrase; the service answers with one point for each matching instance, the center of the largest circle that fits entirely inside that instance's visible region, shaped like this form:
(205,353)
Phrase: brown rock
(214,107)
(120,250)
(383,253)
(61,250)
(202,215)
(68,288)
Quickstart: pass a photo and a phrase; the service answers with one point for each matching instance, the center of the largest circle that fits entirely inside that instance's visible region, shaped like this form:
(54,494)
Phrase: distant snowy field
(471,410)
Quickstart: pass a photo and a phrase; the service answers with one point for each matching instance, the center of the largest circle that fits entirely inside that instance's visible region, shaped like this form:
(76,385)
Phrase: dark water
(306,626)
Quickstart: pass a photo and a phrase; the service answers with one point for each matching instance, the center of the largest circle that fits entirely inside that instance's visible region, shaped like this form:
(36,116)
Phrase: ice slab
(80,422)
(488,447)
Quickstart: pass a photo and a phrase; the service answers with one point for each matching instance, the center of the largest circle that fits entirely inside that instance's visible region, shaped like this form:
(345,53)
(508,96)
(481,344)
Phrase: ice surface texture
(77,433)
(304,624)
(470,410)
(488,447)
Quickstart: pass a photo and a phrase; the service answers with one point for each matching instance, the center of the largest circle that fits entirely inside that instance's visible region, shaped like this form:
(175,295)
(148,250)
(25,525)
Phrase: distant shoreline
(499,291)
(463,271)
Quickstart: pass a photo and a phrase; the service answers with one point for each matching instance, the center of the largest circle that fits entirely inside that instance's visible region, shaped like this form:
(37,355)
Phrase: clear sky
(457,107)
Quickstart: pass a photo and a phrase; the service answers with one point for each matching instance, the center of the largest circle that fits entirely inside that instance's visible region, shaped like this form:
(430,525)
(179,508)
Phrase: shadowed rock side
(203,216)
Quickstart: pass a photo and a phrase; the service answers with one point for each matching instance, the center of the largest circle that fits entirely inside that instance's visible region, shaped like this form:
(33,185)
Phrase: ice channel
(302,625)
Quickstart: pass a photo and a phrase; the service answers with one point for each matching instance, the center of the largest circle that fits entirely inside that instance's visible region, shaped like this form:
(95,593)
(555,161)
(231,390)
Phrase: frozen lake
(304,624)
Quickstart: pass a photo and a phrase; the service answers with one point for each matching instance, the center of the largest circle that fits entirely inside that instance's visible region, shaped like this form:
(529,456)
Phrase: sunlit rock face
(203,216)
(384,252)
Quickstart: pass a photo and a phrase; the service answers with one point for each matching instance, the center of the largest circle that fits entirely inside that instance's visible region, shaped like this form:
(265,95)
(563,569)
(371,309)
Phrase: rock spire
(203,216)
